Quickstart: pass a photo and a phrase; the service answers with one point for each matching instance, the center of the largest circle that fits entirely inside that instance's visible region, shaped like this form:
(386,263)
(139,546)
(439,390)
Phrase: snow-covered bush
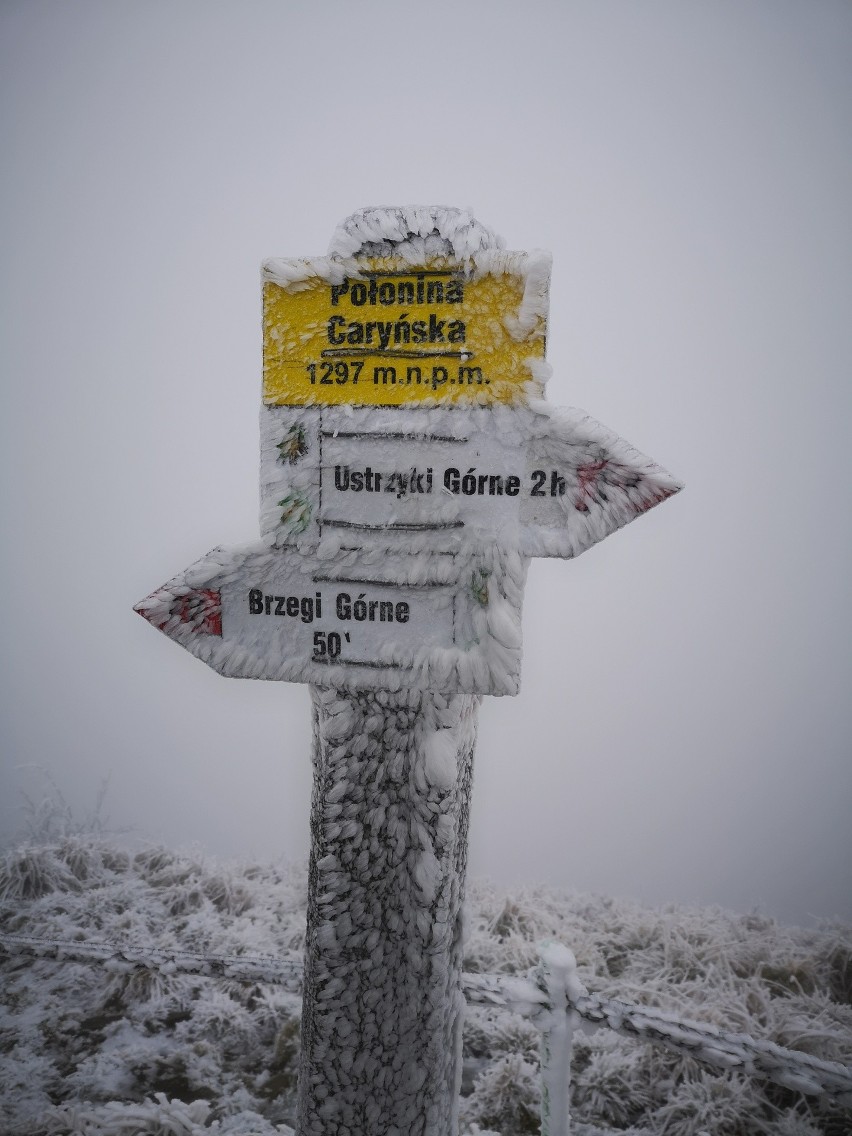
(506,1096)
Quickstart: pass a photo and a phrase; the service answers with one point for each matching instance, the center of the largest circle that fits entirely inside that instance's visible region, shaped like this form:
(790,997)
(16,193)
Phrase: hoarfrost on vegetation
(120,1051)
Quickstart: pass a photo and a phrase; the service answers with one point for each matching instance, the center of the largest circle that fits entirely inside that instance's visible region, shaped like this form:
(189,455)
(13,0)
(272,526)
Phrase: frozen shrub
(30,872)
(608,1084)
(715,1104)
(506,1097)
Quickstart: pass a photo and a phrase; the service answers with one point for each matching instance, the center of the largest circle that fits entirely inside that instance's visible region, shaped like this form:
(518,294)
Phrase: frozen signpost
(409,469)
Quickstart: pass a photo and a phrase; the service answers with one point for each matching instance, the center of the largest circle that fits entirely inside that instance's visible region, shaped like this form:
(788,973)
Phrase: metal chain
(286,972)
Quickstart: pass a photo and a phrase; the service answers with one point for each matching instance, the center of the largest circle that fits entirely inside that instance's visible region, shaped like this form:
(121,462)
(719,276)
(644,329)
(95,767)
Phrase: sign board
(544,481)
(262,612)
(409,467)
(379,332)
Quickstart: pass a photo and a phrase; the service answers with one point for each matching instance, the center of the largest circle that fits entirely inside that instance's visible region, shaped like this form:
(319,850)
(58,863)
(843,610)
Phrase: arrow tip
(198,610)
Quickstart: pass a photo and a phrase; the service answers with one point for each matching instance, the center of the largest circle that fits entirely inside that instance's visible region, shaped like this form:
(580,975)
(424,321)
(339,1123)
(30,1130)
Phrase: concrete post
(383,1008)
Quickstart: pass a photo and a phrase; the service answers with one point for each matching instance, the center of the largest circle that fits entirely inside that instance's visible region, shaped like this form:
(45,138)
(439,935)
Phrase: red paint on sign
(594,478)
(587,483)
(654,499)
(201,609)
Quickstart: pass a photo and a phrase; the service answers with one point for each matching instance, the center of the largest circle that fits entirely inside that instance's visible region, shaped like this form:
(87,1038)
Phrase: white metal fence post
(559,973)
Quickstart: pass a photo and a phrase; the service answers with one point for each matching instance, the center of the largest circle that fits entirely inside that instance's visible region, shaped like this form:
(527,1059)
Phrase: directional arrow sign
(547,482)
(359,620)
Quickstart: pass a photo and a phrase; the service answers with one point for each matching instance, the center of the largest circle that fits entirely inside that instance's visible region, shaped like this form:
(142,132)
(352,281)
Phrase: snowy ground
(93,1048)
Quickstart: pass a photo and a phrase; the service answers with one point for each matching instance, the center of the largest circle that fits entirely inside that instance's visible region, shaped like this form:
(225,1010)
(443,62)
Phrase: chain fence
(550,995)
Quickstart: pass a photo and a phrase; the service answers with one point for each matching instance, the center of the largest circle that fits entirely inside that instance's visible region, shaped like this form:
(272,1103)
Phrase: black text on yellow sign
(386,335)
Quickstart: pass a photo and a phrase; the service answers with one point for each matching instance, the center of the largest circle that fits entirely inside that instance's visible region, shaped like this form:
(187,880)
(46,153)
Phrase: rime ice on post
(558,971)
(409,468)
(382,1013)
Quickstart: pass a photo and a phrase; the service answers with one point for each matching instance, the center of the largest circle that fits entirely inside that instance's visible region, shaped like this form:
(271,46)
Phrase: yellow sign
(377,332)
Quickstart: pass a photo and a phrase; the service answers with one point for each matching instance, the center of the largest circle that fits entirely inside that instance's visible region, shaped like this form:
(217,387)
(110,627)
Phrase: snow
(412,231)
(440,757)
(150,1048)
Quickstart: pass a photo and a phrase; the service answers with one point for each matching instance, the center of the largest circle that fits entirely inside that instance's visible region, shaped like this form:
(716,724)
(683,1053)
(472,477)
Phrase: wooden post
(383,1008)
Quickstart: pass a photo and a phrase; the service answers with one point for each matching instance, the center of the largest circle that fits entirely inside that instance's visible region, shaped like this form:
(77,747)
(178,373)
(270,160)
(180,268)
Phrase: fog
(683,730)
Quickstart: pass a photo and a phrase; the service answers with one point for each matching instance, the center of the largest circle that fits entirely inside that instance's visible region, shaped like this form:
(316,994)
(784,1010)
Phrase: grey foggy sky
(683,731)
